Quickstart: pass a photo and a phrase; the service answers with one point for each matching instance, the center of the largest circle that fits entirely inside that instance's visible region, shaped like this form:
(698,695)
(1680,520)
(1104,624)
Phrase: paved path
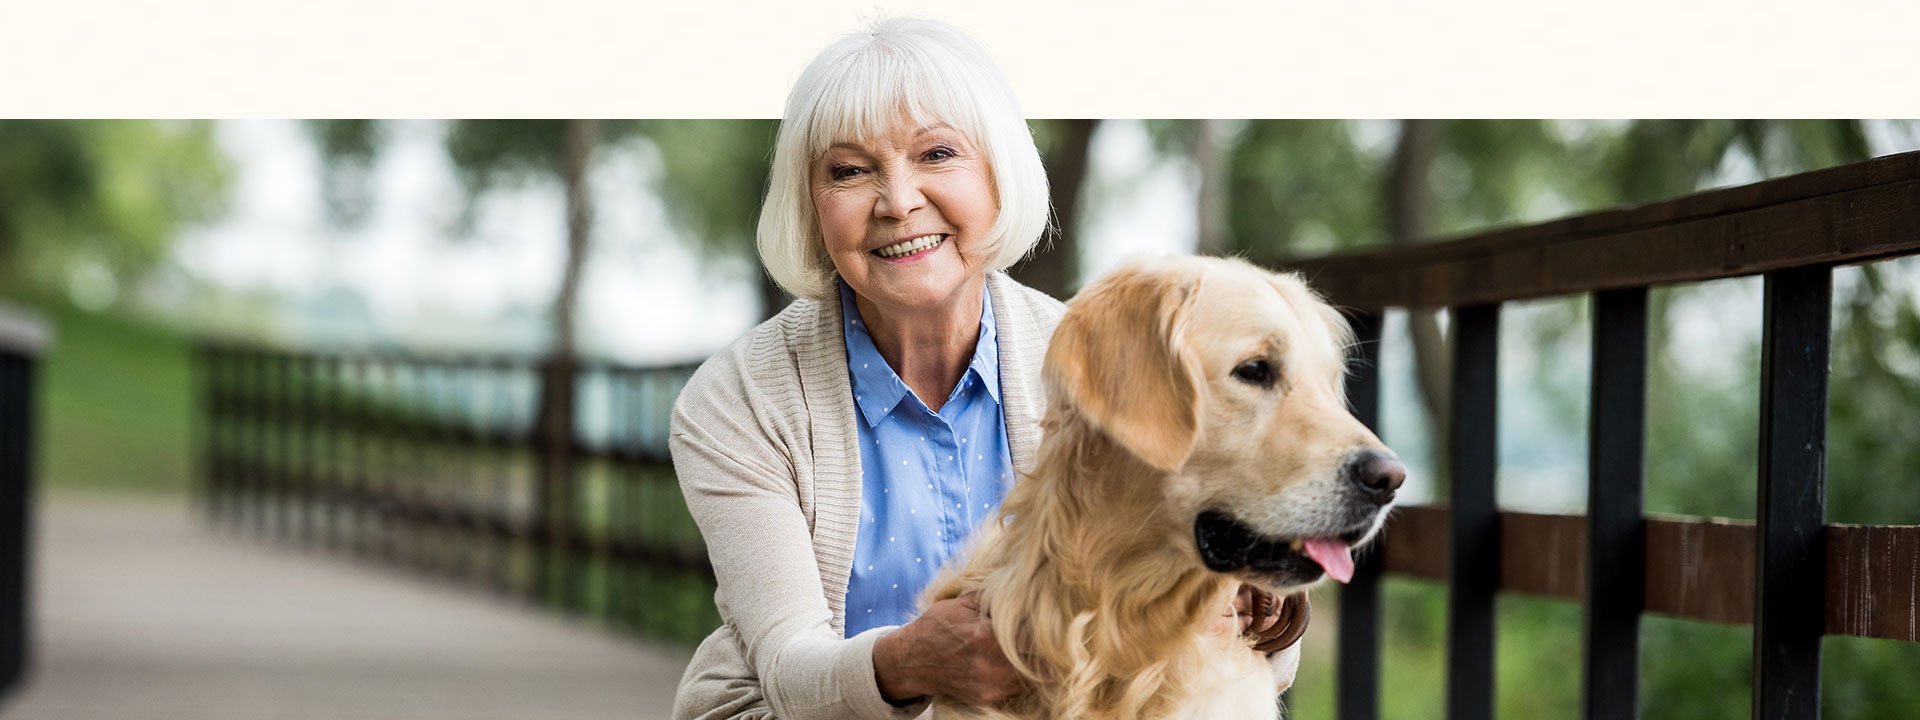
(144,614)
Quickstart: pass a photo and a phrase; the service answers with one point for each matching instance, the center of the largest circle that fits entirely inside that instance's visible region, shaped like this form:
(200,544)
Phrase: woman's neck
(929,348)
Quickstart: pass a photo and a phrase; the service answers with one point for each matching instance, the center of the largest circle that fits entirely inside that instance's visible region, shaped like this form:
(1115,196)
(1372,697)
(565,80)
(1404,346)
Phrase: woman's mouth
(910,249)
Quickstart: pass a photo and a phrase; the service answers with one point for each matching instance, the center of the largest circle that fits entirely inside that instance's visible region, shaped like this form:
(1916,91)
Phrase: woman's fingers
(1257,611)
(990,677)
(1295,613)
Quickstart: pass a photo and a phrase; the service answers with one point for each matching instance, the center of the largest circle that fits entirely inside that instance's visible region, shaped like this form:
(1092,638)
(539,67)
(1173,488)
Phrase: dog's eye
(1256,372)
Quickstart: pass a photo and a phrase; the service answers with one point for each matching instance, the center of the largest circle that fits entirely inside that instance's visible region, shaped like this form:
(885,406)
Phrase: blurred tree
(486,154)
(1409,207)
(88,206)
(1065,145)
(713,177)
(489,154)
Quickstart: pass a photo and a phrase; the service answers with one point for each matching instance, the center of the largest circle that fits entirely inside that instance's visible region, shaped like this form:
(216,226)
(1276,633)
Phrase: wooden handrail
(1850,214)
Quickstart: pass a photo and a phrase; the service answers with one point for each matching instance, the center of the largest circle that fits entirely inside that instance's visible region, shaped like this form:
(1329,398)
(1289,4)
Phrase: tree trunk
(1212,165)
(581,135)
(554,499)
(1409,206)
(1055,270)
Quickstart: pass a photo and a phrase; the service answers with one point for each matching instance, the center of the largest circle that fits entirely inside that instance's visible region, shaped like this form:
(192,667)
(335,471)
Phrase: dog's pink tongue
(1333,555)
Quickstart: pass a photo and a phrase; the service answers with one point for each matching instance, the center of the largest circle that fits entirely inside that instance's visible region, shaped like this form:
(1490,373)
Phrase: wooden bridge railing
(438,465)
(22,338)
(1789,574)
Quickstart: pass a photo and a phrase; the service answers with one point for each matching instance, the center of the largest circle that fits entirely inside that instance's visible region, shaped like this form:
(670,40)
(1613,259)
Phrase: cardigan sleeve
(741,486)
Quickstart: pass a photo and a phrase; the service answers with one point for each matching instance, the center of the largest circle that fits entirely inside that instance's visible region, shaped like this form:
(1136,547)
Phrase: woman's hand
(949,650)
(1271,623)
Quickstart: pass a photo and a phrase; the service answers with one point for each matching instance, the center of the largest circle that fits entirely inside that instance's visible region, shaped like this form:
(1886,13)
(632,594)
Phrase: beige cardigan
(764,444)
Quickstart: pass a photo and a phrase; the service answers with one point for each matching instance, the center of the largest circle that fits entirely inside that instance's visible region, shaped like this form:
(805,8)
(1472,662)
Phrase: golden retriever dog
(1196,438)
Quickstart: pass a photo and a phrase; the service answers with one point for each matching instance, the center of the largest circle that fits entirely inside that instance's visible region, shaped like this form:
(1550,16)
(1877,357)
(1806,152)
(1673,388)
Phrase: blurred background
(613,247)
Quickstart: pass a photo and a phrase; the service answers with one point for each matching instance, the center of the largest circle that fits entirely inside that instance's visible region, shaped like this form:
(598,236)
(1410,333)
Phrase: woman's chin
(925,284)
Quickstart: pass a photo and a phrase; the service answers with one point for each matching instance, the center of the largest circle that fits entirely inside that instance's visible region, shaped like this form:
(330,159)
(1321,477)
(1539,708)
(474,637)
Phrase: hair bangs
(877,85)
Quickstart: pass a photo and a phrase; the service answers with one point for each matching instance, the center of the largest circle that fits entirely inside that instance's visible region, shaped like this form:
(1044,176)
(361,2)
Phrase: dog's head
(1229,380)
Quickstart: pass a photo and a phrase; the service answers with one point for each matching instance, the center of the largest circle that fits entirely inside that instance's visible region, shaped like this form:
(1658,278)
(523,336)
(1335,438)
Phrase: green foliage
(1303,186)
(1500,172)
(504,153)
(1868,679)
(1703,426)
(713,176)
(486,154)
(1658,159)
(1694,671)
(88,206)
(1873,441)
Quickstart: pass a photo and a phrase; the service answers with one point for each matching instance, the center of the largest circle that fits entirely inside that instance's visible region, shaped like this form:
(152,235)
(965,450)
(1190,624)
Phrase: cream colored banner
(712,58)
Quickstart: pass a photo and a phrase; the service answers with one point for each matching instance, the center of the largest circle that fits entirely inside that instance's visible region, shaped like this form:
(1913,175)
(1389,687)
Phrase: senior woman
(838,454)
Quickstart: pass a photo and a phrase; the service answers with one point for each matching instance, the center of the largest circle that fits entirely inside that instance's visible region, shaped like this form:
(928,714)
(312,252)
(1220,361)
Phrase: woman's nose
(899,198)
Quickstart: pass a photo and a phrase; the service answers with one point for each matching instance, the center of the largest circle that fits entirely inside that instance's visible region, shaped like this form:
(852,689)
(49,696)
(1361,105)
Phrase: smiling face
(902,214)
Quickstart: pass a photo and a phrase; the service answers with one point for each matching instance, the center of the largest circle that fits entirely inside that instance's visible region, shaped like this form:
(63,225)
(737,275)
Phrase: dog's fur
(1090,575)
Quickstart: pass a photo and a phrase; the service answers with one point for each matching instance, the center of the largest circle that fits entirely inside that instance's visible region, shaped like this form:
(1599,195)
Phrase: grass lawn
(115,404)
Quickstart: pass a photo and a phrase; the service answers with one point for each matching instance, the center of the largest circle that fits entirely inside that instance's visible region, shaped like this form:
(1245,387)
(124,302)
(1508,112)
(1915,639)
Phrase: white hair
(854,90)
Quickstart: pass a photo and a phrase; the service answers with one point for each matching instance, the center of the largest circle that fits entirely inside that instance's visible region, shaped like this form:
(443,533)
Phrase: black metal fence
(22,338)
(443,467)
(1790,575)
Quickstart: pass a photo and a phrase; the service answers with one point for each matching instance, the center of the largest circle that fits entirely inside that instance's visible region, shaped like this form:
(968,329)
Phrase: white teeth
(909,247)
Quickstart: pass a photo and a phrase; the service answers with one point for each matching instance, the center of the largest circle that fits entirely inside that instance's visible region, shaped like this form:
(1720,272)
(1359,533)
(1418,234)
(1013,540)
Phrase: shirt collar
(877,390)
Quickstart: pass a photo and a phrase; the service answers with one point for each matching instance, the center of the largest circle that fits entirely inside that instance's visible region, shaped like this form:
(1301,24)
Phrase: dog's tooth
(1296,545)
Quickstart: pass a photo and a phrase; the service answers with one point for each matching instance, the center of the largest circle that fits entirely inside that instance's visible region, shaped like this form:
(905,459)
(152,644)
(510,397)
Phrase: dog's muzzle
(1226,545)
(1229,546)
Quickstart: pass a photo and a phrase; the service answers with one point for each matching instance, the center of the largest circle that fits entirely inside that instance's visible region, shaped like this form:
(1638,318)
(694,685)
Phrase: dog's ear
(1118,359)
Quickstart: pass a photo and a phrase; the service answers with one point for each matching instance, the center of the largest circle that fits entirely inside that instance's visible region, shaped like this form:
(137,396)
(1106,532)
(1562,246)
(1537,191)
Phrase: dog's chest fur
(1243,691)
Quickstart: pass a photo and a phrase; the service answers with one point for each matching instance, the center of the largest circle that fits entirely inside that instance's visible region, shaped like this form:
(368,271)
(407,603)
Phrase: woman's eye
(940,153)
(842,172)
(1255,372)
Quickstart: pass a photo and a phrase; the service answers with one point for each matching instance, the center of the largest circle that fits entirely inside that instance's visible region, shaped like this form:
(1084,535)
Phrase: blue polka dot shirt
(928,479)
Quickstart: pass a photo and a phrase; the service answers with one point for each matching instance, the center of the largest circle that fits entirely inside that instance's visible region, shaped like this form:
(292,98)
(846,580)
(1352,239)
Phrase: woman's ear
(1117,359)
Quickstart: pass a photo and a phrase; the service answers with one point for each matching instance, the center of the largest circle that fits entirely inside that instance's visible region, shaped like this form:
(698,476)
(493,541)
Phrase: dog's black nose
(1376,474)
